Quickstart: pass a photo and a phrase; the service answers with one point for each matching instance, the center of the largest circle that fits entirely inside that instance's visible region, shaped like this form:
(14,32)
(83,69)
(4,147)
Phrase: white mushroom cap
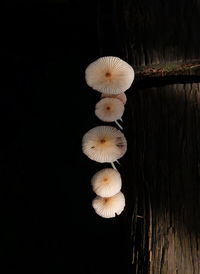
(106,182)
(109,109)
(109,75)
(104,144)
(122,96)
(108,207)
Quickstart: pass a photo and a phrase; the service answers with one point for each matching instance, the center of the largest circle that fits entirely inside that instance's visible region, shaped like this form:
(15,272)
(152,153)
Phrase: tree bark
(161,169)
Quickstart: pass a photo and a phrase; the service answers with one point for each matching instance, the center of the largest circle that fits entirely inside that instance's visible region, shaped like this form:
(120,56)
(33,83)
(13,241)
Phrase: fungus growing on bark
(109,207)
(110,75)
(122,96)
(104,144)
(106,182)
(109,110)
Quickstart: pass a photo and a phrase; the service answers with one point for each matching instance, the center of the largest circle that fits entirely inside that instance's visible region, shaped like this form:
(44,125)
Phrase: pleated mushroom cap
(122,96)
(106,182)
(110,75)
(109,207)
(109,109)
(104,144)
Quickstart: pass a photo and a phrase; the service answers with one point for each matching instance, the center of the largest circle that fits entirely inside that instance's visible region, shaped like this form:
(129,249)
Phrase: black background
(47,220)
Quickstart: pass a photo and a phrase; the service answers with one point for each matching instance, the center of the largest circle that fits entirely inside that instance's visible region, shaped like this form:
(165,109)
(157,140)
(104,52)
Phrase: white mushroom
(122,96)
(109,110)
(106,182)
(104,144)
(110,75)
(109,207)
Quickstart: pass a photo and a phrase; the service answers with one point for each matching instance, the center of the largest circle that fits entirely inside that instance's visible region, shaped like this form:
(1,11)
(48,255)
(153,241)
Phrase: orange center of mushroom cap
(107,200)
(102,141)
(108,108)
(105,179)
(108,74)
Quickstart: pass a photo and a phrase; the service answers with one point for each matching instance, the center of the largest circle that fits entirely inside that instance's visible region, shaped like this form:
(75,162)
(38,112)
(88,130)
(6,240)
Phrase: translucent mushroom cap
(109,109)
(109,207)
(122,96)
(109,75)
(104,144)
(106,182)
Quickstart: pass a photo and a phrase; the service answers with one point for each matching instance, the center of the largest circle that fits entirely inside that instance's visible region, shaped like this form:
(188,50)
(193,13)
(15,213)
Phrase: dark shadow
(48,222)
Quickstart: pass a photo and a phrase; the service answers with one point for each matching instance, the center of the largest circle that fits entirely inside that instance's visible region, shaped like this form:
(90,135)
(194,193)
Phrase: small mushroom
(106,182)
(110,75)
(104,144)
(109,207)
(122,96)
(109,110)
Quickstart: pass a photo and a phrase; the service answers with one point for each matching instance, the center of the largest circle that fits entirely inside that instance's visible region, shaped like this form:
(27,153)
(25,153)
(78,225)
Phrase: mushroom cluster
(109,201)
(111,76)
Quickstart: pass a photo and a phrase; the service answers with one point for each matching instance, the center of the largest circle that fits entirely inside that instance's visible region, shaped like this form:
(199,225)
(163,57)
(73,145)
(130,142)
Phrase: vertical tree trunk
(161,170)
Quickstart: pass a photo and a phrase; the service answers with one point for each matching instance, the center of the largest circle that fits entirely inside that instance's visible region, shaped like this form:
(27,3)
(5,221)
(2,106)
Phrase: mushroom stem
(121,119)
(118,162)
(119,125)
(113,165)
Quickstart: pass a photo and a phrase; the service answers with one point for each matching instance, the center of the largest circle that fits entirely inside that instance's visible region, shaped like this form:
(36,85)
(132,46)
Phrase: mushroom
(110,75)
(122,96)
(106,182)
(109,110)
(109,207)
(104,144)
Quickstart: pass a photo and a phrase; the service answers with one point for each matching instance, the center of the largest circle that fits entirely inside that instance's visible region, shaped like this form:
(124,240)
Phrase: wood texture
(161,168)
(163,151)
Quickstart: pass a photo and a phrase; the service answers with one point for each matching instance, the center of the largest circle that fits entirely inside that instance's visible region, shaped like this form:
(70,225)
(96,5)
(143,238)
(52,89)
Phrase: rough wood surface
(164,149)
(157,31)
(161,168)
